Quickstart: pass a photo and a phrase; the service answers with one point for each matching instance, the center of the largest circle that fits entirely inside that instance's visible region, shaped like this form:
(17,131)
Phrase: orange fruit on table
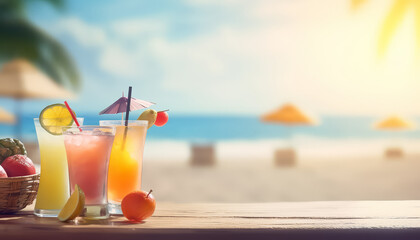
(138,205)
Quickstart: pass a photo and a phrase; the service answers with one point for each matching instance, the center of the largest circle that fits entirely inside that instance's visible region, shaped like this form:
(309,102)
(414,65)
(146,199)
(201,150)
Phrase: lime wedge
(74,206)
(53,117)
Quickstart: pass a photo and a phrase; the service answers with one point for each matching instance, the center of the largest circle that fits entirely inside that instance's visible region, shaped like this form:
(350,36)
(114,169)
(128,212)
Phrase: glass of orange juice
(126,161)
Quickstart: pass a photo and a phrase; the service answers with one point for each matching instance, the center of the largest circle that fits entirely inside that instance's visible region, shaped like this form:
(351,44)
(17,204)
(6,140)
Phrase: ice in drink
(88,154)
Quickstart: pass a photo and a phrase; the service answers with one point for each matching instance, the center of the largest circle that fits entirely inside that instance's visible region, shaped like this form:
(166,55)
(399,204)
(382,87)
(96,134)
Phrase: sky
(237,57)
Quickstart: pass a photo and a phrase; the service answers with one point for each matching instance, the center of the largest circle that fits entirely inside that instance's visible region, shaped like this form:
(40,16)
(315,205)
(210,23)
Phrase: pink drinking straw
(72,115)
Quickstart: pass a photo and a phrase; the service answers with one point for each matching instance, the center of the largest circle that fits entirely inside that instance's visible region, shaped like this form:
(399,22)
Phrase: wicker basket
(17,192)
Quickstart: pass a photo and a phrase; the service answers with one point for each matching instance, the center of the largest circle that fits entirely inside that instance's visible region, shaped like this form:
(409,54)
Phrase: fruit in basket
(162,118)
(18,165)
(3,173)
(10,147)
(74,205)
(138,205)
(148,115)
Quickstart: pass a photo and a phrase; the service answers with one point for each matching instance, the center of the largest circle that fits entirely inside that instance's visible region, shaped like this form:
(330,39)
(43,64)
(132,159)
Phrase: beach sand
(346,179)
(245,172)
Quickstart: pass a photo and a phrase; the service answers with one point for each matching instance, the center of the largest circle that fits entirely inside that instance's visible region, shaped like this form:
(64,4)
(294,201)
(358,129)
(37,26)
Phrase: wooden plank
(295,220)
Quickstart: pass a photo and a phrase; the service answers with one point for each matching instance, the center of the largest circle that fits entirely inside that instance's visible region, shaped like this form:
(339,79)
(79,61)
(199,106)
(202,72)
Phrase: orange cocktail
(125,166)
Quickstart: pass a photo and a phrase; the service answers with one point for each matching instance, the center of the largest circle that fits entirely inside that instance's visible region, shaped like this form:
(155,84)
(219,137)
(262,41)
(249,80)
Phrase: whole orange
(138,205)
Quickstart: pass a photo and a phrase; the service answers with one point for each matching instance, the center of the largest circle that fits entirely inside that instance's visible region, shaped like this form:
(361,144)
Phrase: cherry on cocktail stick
(162,118)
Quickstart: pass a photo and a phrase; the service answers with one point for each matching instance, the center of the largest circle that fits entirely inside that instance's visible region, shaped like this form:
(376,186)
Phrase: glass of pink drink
(88,149)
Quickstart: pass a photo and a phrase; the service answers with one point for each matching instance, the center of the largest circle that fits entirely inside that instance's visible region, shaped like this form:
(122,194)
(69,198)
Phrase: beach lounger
(202,155)
(394,153)
(285,157)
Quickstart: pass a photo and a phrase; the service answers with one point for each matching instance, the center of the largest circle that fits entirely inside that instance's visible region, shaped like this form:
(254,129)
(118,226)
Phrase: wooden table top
(289,220)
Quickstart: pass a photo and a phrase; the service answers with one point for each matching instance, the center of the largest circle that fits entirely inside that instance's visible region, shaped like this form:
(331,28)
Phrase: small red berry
(162,118)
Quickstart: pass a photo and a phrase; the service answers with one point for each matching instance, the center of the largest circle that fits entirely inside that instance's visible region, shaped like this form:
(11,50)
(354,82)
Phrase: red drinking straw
(72,115)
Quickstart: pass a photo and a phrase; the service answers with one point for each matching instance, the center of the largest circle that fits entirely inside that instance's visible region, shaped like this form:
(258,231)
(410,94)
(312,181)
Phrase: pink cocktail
(88,149)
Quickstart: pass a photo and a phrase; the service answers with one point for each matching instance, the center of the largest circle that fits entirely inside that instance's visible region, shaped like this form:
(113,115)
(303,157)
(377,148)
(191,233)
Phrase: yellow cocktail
(125,166)
(53,190)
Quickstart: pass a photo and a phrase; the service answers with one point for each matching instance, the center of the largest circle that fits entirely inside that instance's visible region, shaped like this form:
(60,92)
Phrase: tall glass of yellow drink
(53,190)
(126,161)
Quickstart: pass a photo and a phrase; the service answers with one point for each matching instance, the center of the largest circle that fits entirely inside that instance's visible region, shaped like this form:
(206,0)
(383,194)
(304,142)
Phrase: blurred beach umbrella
(6,117)
(120,105)
(20,38)
(287,114)
(395,123)
(19,79)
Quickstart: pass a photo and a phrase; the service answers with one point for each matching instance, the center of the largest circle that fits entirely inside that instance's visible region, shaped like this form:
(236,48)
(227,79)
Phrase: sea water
(202,128)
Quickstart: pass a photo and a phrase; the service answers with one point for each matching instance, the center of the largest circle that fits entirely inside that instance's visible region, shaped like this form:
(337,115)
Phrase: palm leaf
(417,24)
(12,8)
(21,39)
(17,8)
(392,20)
(58,4)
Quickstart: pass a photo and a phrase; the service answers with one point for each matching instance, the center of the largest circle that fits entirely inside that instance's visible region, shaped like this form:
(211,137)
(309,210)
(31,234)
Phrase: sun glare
(400,9)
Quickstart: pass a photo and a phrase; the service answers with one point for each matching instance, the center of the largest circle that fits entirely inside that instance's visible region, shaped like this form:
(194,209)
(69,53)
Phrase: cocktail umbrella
(124,104)
(6,117)
(120,105)
(19,79)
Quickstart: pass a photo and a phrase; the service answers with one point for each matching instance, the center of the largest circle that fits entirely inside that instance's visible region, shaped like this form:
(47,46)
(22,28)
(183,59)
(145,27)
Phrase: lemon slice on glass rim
(74,205)
(53,117)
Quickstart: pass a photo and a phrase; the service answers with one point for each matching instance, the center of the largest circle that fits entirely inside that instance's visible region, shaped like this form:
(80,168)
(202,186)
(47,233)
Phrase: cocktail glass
(88,149)
(53,190)
(125,167)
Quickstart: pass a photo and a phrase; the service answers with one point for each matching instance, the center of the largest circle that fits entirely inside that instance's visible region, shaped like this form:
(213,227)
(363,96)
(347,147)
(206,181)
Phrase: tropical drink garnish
(74,206)
(148,115)
(161,118)
(154,118)
(53,117)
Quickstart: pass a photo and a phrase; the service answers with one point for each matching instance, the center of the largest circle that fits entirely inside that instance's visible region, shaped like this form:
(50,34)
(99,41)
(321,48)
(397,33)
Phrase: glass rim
(88,128)
(37,119)
(122,122)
